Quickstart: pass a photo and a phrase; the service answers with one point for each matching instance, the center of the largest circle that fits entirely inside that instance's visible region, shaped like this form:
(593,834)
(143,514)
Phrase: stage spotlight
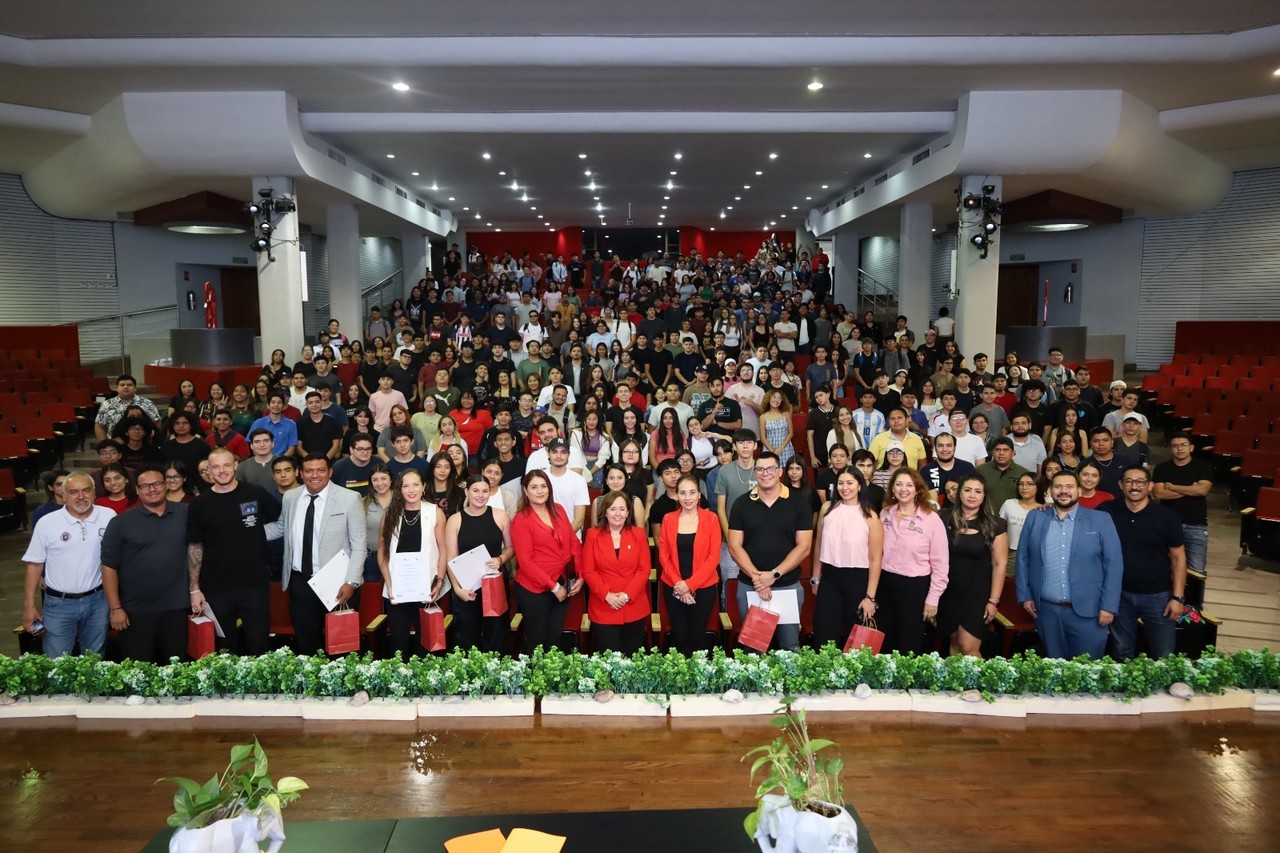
(971,202)
(260,245)
(989,227)
(253,209)
(265,228)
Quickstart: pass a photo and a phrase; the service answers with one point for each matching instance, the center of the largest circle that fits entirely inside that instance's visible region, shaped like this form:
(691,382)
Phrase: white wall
(147,261)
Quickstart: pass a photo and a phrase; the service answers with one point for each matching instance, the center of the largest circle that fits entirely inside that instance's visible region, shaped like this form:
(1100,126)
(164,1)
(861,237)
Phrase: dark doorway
(240,298)
(1017,296)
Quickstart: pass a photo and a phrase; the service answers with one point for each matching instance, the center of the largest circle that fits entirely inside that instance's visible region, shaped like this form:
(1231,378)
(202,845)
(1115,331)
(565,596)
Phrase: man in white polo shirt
(66,549)
(968,446)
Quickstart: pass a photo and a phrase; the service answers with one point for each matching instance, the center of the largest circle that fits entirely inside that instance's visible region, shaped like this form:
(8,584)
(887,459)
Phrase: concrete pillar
(915,246)
(280,276)
(342,232)
(844,267)
(977,279)
(416,257)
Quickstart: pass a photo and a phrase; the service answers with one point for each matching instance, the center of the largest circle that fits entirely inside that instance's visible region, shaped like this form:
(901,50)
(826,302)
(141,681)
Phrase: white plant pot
(751,704)
(241,834)
(782,829)
(621,705)
(479,706)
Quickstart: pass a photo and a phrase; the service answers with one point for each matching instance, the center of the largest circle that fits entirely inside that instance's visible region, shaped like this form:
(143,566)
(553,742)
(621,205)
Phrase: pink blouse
(846,541)
(916,547)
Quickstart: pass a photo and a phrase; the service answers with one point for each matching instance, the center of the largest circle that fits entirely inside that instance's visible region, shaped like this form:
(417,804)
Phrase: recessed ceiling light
(713,228)
(1276,73)
(450,198)
(498,230)
(524,197)
(662,216)
(808,198)
(774,222)
(782,216)
(934,230)
(758,172)
(867,156)
(539,215)
(746,186)
(824,186)
(400,86)
(737,198)
(722,214)
(595,198)
(666,198)
(515,186)
(599,207)
(587,173)
(477,216)
(415,174)
(488,225)
(670,185)
(486,155)
(466,208)
(582,156)
(673,173)
(795,207)
(503,174)
(592,186)
(815,86)
(773,155)
(434,186)
(728,207)
(391,156)
(679,156)
(664,207)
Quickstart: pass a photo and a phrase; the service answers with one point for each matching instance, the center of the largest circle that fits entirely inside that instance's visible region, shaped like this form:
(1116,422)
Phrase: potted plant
(800,801)
(233,811)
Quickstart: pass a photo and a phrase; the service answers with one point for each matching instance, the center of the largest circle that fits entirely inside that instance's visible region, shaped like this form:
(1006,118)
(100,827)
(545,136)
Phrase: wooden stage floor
(920,782)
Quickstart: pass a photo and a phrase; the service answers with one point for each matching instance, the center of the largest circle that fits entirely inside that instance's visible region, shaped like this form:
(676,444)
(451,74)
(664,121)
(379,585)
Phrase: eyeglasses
(772,469)
(170,477)
(1135,481)
(143,487)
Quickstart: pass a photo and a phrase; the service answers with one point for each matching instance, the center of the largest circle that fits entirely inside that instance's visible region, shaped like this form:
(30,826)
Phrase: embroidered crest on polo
(66,537)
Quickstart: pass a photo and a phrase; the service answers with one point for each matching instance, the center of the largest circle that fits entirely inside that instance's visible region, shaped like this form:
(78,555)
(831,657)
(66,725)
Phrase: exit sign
(239,260)
(1017,257)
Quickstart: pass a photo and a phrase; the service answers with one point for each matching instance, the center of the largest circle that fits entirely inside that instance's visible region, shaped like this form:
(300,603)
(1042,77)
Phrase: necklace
(416,517)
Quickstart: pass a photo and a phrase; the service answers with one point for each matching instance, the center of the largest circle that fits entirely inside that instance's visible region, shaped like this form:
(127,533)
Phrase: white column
(342,233)
(915,246)
(280,276)
(977,279)
(844,267)
(416,257)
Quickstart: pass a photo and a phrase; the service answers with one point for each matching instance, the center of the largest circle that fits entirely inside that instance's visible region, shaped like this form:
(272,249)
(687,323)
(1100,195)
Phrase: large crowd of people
(585,423)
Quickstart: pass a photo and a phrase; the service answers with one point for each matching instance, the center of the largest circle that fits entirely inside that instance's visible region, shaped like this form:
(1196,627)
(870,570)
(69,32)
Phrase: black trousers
(542,618)
(307,614)
(154,637)
(836,609)
(252,606)
(689,621)
(472,629)
(900,612)
(627,638)
(403,623)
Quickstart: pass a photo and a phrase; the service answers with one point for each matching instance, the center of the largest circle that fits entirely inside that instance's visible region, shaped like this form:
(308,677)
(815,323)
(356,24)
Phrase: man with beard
(1028,449)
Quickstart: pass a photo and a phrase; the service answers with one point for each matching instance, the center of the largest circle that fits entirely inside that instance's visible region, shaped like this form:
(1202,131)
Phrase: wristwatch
(1178,598)
(777,575)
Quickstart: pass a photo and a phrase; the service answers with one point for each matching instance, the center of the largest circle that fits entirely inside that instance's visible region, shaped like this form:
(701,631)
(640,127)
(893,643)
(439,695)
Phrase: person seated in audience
(898,431)
(1089,393)
(1086,414)
(402,455)
(284,471)
(1092,495)
(997,417)
(1115,398)
(224,435)
(1128,406)
(1028,449)
(1004,398)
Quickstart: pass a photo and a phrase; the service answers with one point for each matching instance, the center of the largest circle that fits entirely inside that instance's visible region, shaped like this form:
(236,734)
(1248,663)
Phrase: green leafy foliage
(792,766)
(243,788)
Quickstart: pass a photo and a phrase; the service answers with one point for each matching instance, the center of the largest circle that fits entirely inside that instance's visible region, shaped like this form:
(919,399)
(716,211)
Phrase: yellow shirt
(911,443)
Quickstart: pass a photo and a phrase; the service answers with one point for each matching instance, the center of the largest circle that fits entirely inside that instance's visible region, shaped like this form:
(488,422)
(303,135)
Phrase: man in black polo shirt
(770,534)
(144,572)
(318,433)
(1182,485)
(1103,444)
(1155,569)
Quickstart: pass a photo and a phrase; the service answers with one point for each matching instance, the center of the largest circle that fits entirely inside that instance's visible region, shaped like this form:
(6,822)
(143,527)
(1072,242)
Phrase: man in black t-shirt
(770,534)
(227,554)
(318,433)
(1182,484)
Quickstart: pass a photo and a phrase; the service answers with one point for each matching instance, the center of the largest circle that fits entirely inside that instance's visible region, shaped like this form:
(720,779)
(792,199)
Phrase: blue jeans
(1067,634)
(1196,537)
(784,636)
(1149,607)
(66,619)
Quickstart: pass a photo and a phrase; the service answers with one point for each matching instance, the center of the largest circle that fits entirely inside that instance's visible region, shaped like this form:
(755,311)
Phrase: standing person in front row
(615,568)
(477,523)
(770,534)
(846,574)
(916,563)
(547,548)
(979,551)
(65,552)
(412,535)
(1069,572)
(689,553)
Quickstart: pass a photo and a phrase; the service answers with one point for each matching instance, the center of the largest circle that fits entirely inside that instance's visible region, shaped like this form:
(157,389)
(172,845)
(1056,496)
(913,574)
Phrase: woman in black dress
(478,523)
(979,550)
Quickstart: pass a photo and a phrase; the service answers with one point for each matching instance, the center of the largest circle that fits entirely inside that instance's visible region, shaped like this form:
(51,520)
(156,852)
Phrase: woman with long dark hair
(478,523)
(846,574)
(544,538)
(913,572)
(689,554)
(442,486)
(412,535)
(979,550)
(118,486)
(667,440)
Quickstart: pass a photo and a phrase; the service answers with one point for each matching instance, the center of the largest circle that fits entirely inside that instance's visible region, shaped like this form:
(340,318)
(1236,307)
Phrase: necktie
(308,531)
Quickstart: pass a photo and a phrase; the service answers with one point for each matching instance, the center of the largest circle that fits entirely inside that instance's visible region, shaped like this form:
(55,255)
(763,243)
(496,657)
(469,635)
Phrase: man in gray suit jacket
(337,524)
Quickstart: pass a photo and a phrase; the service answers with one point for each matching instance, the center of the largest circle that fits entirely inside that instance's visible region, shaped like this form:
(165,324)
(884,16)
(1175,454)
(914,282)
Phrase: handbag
(341,632)
(431,628)
(757,628)
(200,641)
(865,635)
(493,594)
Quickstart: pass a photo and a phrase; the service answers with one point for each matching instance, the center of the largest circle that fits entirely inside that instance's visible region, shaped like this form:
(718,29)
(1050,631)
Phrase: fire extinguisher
(1068,293)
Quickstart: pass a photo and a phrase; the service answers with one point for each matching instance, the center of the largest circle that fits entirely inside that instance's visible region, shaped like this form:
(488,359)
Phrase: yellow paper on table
(489,841)
(532,841)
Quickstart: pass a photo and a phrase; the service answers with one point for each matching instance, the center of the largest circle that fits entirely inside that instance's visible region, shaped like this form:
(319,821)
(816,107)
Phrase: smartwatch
(777,575)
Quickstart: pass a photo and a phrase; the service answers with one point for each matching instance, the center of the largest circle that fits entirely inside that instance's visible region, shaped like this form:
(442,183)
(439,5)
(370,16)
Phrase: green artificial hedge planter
(477,674)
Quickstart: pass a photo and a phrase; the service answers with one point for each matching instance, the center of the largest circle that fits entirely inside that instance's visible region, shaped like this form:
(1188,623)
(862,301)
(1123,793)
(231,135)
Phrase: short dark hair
(311,394)
(1182,433)
(283,460)
(1100,430)
(261,431)
(768,454)
(360,436)
(145,468)
(666,465)
(126,377)
(402,431)
(316,457)
(744,435)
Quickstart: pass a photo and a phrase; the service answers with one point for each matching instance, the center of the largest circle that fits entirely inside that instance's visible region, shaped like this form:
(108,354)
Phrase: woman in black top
(978,553)
(277,372)
(135,435)
(410,525)
(796,479)
(442,486)
(478,523)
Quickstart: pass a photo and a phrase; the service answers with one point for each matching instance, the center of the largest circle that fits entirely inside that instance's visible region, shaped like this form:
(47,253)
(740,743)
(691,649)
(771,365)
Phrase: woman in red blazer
(689,553)
(616,566)
(545,545)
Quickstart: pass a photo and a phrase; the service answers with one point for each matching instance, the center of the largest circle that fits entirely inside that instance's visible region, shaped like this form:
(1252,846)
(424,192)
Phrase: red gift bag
(493,594)
(865,635)
(431,628)
(341,632)
(757,628)
(200,640)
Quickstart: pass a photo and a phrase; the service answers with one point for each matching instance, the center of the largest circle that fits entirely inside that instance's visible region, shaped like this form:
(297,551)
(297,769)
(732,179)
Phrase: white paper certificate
(469,567)
(207,614)
(784,602)
(410,577)
(329,580)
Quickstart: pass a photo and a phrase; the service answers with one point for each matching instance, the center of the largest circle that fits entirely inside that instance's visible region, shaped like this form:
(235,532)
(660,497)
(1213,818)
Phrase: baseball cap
(895,445)
(556,444)
(701,368)
(1119,383)
(1132,416)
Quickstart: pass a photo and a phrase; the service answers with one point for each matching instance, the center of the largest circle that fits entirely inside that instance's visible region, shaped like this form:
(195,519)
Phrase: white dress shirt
(300,519)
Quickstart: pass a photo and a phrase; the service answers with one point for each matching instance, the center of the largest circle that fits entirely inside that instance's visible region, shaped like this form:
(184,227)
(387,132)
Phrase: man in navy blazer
(1069,570)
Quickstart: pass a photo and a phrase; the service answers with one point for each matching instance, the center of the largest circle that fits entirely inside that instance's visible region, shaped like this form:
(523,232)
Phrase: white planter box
(314,708)
(1163,703)
(40,706)
(1263,700)
(949,702)
(844,700)
(248,706)
(752,704)
(621,705)
(114,708)
(1109,705)
(482,706)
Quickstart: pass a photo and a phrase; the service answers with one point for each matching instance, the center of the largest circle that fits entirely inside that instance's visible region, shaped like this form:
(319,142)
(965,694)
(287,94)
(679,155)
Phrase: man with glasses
(1155,569)
(770,534)
(1183,484)
(352,472)
(144,572)
(66,553)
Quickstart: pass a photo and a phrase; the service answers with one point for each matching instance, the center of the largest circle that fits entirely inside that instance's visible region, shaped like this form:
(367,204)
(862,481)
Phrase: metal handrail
(324,309)
(117,349)
(875,295)
(120,315)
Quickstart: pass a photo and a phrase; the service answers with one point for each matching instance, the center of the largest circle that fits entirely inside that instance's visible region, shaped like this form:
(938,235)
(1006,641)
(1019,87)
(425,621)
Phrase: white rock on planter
(621,705)
(950,702)
(33,707)
(847,700)
(1163,703)
(1263,700)
(1108,705)
(117,708)
(480,706)
(326,708)
(248,706)
(752,704)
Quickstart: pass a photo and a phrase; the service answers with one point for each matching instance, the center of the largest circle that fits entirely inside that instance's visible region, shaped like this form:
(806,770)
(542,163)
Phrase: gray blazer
(342,528)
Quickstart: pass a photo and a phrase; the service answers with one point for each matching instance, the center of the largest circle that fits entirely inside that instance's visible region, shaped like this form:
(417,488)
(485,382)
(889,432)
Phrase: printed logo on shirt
(66,537)
(249,514)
